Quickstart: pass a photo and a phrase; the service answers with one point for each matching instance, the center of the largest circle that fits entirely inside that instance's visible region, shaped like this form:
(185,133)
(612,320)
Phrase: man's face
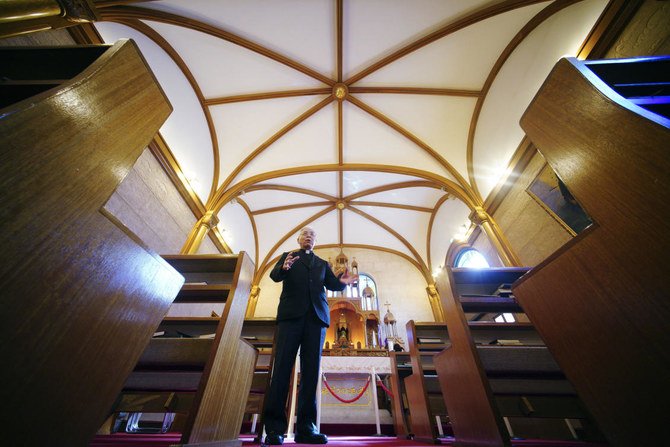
(307,238)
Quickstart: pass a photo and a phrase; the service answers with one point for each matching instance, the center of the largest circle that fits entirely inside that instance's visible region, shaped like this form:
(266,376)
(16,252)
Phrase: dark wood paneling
(80,298)
(601,302)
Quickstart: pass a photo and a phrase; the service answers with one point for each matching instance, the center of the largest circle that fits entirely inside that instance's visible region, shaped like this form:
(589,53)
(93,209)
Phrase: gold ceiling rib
(417,91)
(246,208)
(471,19)
(283,131)
(340,226)
(340,139)
(302,224)
(174,55)
(407,134)
(267,95)
(340,33)
(133,12)
(397,235)
(436,208)
(309,192)
(452,187)
(421,209)
(275,209)
(511,46)
(391,186)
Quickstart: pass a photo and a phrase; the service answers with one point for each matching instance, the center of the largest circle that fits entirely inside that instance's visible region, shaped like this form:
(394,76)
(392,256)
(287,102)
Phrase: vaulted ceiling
(380,123)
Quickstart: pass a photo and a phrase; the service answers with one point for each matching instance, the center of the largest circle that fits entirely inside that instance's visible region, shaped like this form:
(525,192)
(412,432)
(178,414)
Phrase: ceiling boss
(340,91)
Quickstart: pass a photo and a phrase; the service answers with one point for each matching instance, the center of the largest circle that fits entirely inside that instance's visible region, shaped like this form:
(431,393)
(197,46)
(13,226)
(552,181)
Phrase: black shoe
(274,439)
(311,438)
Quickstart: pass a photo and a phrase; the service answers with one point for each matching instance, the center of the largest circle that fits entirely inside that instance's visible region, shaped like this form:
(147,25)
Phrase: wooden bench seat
(401,368)
(518,361)
(260,332)
(425,339)
(498,379)
(176,352)
(198,365)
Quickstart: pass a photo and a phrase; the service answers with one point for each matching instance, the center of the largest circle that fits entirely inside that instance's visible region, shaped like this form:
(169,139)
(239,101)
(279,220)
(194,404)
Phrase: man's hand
(347,278)
(288,262)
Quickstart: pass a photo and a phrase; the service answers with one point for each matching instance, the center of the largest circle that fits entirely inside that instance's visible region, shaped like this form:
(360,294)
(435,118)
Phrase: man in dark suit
(302,319)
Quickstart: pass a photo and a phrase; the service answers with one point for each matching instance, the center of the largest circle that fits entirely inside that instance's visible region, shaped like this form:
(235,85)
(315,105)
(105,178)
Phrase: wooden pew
(207,373)
(260,332)
(401,368)
(423,389)
(81,294)
(608,284)
(489,387)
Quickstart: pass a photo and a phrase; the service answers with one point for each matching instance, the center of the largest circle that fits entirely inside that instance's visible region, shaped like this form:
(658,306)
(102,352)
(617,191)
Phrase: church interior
(494,171)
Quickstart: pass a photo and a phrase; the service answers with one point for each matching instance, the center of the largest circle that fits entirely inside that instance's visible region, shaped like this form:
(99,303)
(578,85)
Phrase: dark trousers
(308,334)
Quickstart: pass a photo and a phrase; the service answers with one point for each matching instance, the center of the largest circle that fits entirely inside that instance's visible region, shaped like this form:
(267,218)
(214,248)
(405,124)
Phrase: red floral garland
(346,401)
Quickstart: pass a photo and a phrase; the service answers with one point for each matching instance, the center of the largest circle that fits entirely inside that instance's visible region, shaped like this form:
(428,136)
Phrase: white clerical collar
(308,251)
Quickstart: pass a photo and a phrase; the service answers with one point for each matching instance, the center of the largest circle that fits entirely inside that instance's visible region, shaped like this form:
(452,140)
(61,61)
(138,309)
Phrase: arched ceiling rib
(362,117)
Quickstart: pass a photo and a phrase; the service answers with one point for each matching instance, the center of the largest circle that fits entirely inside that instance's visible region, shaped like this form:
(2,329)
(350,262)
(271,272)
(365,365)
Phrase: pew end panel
(260,332)
(401,368)
(201,361)
(425,339)
(472,411)
(81,294)
(608,284)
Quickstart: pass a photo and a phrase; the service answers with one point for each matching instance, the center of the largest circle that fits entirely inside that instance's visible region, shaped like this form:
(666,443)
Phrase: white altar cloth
(337,364)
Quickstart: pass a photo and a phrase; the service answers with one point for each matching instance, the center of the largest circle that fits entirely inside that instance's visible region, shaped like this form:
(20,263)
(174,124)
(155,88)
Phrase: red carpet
(132,440)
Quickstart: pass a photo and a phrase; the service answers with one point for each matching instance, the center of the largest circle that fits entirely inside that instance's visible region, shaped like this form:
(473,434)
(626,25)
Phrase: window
(471,258)
(505,318)
(368,292)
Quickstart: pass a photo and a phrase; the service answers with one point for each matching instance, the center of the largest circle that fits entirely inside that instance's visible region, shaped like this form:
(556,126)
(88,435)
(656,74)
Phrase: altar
(349,378)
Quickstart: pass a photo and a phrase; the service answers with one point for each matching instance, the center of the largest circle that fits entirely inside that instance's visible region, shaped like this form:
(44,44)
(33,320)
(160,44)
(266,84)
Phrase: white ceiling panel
(376,28)
(312,142)
(302,30)
(358,230)
(325,182)
(441,122)
(461,60)
(451,215)
(411,225)
(243,127)
(358,181)
(498,132)
(185,130)
(368,140)
(225,69)
(418,196)
(263,199)
(326,228)
(236,229)
(275,226)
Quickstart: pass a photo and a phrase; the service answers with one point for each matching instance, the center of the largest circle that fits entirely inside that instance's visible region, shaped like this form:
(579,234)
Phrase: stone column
(253,300)
(435,304)
(198,233)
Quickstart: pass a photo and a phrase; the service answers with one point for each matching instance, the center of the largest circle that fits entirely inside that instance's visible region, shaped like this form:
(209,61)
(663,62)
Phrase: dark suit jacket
(305,284)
